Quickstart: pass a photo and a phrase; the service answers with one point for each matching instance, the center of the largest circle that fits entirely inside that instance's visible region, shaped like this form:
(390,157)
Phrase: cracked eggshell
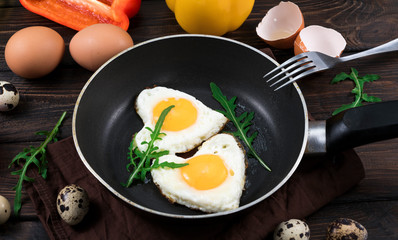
(281,25)
(293,229)
(345,228)
(72,204)
(5,209)
(9,96)
(319,39)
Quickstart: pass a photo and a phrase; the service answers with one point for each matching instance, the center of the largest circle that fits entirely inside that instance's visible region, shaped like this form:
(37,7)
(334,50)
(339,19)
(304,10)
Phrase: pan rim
(178,216)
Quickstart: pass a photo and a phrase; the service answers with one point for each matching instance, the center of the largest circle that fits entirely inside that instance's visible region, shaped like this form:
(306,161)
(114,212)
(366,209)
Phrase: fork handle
(386,47)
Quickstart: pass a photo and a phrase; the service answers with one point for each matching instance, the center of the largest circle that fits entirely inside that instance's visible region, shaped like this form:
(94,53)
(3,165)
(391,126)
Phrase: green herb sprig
(360,96)
(36,155)
(242,122)
(140,161)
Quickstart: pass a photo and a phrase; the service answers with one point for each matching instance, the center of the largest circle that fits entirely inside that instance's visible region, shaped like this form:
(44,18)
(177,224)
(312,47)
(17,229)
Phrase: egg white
(208,123)
(222,198)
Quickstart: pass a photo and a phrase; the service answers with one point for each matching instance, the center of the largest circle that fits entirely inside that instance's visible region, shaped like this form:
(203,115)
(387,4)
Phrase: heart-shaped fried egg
(212,181)
(186,126)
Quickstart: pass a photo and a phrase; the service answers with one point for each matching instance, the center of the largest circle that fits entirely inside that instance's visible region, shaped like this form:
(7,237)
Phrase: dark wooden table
(364,24)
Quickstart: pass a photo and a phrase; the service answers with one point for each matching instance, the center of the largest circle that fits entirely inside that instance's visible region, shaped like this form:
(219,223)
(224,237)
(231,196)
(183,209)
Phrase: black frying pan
(104,118)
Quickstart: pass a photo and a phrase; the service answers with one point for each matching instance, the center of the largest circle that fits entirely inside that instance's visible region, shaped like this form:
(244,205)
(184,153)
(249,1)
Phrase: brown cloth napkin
(316,182)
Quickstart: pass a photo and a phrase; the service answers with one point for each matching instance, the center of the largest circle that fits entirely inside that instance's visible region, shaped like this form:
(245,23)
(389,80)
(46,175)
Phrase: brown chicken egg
(34,52)
(319,39)
(94,45)
(281,25)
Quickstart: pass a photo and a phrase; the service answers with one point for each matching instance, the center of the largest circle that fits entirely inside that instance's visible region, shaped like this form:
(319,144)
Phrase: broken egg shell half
(345,228)
(281,25)
(9,96)
(319,39)
(72,204)
(293,229)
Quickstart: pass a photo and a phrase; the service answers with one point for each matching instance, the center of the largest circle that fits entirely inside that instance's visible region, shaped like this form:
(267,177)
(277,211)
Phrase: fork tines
(295,68)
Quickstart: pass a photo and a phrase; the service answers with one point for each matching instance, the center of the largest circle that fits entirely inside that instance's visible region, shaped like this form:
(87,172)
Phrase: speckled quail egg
(9,96)
(292,229)
(72,204)
(345,228)
(5,210)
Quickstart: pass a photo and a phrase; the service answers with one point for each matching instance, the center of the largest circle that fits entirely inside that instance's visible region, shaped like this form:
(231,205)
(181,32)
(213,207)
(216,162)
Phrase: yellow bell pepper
(215,17)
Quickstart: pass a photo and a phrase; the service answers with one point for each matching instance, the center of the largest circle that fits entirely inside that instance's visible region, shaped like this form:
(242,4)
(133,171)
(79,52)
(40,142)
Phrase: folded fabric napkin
(316,182)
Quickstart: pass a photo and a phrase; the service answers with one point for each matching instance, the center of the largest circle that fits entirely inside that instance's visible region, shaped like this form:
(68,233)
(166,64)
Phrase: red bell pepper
(129,7)
(78,14)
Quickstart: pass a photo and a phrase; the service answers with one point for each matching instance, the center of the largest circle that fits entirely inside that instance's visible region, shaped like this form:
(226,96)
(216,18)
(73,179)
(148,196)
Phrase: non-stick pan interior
(105,118)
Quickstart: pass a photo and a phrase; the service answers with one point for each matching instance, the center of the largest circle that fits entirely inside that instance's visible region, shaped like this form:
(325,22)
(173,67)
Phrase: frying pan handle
(362,125)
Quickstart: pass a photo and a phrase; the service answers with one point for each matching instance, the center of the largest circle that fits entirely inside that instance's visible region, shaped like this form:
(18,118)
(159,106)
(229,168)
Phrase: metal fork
(311,62)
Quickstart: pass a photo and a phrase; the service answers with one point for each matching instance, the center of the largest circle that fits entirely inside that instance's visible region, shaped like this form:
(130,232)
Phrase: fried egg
(186,126)
(213,180)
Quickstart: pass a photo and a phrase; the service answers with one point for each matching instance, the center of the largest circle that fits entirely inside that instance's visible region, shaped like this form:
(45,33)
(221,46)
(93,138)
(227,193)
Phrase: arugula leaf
(242,122)
(36,156)
(140,168)
(360,96)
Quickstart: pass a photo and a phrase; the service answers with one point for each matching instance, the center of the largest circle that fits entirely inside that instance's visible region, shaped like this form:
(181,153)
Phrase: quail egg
(5,209)
(292,229)
(72,204)
(345,228)
(9,96)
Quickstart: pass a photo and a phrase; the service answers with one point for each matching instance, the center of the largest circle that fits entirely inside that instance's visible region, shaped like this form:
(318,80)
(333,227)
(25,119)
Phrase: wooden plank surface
(364,24)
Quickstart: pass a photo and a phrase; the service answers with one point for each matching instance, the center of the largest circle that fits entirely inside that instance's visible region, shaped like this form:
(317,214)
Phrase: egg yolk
(204,172)
(181,116)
